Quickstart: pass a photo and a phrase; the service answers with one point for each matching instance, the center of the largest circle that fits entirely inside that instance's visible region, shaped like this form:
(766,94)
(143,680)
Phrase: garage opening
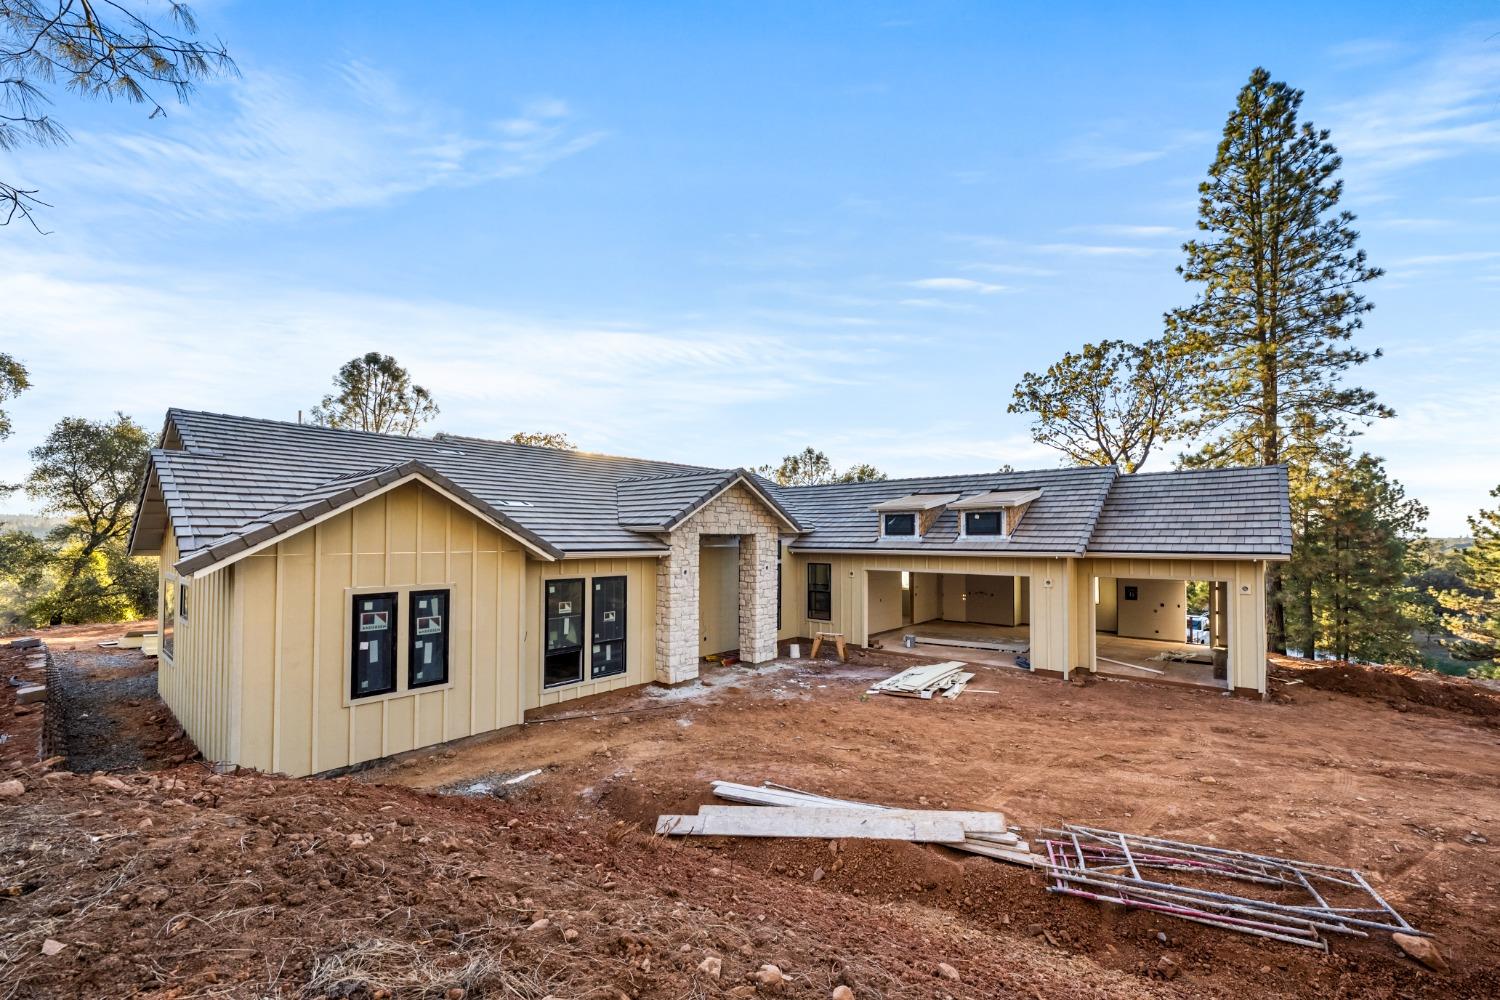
(1164,630)
(978,618)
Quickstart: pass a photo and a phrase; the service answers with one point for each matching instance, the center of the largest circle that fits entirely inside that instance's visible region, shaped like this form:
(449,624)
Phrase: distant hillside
(36,524)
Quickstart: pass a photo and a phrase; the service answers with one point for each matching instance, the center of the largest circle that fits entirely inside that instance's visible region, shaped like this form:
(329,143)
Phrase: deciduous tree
(88,472)
(1109,404)
(810,467)
(544,439)
(374,393)
(1270,334)
(13,382)
(94,48)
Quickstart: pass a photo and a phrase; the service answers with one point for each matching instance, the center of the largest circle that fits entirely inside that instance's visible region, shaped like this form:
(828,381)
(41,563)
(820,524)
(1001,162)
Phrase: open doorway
(1165,630)
(981,618)
(718,595)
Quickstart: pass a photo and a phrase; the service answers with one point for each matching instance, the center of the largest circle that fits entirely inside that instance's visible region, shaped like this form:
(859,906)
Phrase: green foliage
(544,439)
(13,382)
(811,467)
(374,393)
(88,472)
(1348,590)
(25,561)
(1269,336)
(1109,404)
(1472,609)
(94,50)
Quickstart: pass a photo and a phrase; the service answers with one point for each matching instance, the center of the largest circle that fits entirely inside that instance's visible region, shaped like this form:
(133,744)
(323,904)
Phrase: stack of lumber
(786,812)
(947,679)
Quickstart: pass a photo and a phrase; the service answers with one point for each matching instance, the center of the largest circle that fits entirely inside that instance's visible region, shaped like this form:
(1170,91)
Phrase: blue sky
(718,233)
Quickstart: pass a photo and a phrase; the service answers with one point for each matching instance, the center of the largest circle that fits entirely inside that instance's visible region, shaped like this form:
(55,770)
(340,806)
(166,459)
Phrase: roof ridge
(1066,469)
(1221,468)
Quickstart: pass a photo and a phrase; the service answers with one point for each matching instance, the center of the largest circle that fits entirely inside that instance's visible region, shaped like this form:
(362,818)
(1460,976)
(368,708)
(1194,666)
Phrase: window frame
(355,695)
(999,512)
(623,610)
(885,524)
(412,638)
(583,643)
(166,645)
(825,590)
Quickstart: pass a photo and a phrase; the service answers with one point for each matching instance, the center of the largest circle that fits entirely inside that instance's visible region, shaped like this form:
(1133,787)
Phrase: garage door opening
(973,617)
(1165,630)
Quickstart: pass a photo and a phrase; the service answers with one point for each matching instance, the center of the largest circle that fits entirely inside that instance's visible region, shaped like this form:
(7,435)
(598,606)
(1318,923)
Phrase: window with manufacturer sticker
(428,661)
(373,653)
(607,658)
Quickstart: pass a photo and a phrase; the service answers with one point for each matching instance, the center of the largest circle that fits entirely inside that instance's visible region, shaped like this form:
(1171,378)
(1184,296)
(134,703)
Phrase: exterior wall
(1159,610)
(718,599)
(1057,603)
(640,626)
(1049,589)
(736,511)
(195,680)
(926,596)
(1106,609)
(1245,584)
(885,601)
(293,606)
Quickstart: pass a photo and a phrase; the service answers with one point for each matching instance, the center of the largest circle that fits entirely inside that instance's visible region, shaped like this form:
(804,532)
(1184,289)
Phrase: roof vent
(512,503)
(450,451)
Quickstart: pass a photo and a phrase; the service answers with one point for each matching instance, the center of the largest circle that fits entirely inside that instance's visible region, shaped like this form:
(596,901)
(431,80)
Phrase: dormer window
(900,524)
(911,516)
(984,522)
(993,514)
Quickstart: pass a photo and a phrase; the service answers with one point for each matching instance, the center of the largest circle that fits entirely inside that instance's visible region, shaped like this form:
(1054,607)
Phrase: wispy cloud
(1097,250)
(1443,107)
(288,147)
(1103,149)
(139,340)
(958,285)
(1132,231)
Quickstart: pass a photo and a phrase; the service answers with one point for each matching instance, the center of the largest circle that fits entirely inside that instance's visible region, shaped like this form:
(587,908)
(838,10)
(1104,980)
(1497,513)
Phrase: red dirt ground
(185,884)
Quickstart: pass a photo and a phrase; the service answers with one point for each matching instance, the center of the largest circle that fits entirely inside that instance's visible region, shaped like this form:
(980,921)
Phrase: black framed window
(900,524)
(373,653)
(563,659)
(820,591)
(168,617)
(607,657)
(182,594)
(427,663)
(984,522)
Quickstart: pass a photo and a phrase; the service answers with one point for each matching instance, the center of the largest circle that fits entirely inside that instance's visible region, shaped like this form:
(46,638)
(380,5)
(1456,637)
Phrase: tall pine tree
(1270,333)
(1349,589)
(1473,616)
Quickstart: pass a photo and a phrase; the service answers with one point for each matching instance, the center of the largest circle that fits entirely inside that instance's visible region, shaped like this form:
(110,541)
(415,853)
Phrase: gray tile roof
(233,471)
(236,481)
(1059,521)
(660,503)
(1233,512)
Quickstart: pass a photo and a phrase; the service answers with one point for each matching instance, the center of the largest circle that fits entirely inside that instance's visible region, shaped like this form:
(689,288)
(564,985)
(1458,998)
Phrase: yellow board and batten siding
(640,625)
(1060,597)
(262,671)
(195,679)
(295,605)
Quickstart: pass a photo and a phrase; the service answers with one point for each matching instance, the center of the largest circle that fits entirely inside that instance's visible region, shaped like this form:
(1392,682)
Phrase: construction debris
(947,679)
(789,811)
(1108,866)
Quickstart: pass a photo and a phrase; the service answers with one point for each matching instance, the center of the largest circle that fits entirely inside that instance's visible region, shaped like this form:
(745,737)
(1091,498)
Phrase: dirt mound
(1401,686)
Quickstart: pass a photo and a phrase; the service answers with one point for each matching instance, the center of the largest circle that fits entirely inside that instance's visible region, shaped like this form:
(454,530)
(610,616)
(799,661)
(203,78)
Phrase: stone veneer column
(677,610)
(758,596)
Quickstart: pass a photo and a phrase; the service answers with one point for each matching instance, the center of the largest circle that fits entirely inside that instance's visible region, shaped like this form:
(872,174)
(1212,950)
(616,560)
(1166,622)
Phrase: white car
(1197,629)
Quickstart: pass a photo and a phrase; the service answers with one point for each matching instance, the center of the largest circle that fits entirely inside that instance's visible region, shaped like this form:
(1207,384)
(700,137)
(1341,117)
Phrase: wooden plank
(1017,646)
(975,823)
(958,686)
(822,824)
